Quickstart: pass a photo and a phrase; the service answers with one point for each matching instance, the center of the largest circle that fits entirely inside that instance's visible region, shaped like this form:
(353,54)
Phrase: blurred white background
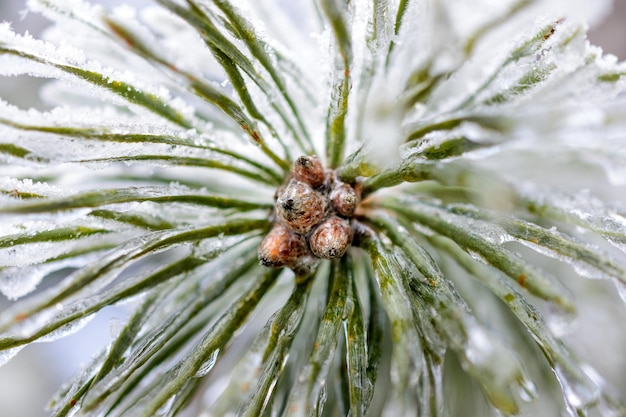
(28,381)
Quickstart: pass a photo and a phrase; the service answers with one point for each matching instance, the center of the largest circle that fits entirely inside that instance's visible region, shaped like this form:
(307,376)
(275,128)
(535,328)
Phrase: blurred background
(28,381)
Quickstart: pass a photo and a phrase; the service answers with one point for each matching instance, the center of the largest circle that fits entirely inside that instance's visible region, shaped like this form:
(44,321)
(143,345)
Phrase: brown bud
(344,200)
(331,238)
(308,169)
(300,207)
(282,247)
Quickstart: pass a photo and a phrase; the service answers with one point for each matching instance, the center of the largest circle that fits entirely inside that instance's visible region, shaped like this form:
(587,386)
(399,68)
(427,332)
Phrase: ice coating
(445,47)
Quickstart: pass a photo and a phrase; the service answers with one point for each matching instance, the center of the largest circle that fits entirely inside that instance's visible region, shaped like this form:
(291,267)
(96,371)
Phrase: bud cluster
(313,213)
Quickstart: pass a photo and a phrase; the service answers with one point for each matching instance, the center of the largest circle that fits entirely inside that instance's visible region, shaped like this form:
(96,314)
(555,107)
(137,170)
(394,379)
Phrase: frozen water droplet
(528,390)
(617,243)
(587,271)
(208,365)
(17,282)
(479,348)
(559,321)
(7,355)
(210,248)
(579,391)
(66,330)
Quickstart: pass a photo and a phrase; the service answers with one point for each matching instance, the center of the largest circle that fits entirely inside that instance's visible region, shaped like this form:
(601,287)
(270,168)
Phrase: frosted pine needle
(468,178)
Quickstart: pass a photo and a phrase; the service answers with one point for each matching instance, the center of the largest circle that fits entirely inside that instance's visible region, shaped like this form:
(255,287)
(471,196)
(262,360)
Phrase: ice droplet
(208,365)
(498,369)
(578,393)
(17,282)
(528,390)
(67,329)
(559,321)
(7,355)
(606,406)
(479,347)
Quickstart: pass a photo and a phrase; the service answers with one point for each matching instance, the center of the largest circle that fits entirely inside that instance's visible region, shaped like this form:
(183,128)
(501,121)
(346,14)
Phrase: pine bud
(344,200)
(331,238)
(300,207)
(282,247)
(308,169)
